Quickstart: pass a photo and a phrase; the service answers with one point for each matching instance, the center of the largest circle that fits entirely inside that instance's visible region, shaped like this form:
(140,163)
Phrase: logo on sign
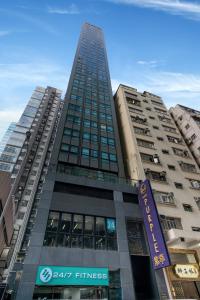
(46,274)
(143,189)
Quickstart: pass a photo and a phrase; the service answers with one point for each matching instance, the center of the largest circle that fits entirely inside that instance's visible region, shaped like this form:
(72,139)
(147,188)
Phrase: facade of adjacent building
(153,148)
(31,144)
(87,240)
(6,227)
(6,136)
(18,137)
(188,122)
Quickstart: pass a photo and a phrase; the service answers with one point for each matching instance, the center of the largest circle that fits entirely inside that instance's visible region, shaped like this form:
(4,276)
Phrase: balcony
(179,238)
(156,176)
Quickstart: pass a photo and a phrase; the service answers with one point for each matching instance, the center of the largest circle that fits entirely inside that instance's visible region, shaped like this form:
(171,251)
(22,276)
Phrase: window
(187,167)
(68,148)
(193,137)
(156,127)
(151,117)
(164,151)
(136,238)
(150,158)
(143,131)
(178,185)
(187,207)
(180,152)
(172,139)
(165,119)
(169,129)
(85,151)
(196,228)
(133,101)
(158,176)
(159,138)
(80,231)
(195,184)
(187,126)
(112,157)
(73,119)
(146,144)
(164,198)
(86,136)
(171,167)
(197,200)
(170,222)
(139,120)
(104,155)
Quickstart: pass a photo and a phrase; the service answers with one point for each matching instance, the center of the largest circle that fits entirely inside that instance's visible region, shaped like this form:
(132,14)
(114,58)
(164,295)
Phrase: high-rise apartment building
(153,148)
(6,227)
(6,136)
(18,136)
(31,146)
(87,241)
(188,122)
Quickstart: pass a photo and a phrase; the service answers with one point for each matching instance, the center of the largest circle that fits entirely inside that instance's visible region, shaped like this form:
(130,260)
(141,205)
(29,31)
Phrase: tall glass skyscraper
(87,221)
(90,137)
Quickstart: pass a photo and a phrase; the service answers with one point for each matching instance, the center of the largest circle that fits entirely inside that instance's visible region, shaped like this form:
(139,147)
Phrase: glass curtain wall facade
(89,135)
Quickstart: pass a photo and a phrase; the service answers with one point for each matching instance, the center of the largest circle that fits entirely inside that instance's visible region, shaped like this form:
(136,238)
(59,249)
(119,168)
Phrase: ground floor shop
(74,283)
(184,275)
(76,293)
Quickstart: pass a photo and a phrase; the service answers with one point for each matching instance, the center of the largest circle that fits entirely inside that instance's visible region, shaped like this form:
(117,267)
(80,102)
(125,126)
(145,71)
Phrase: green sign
(55,275)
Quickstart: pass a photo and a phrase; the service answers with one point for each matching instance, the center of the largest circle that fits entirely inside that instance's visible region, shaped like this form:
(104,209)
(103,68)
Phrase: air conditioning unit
(195,184)
(189,141)
(156,159)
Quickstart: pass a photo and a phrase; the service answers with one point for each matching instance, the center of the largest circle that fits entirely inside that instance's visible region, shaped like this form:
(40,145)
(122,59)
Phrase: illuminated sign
(111,227)
(187,271)
(158,249)
(56,275)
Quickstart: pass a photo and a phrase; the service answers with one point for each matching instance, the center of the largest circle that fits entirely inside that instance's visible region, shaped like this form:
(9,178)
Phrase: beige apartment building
(188,122)
(153,148)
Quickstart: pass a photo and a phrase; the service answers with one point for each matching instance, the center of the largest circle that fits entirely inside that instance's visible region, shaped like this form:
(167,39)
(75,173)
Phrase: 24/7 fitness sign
(56,275)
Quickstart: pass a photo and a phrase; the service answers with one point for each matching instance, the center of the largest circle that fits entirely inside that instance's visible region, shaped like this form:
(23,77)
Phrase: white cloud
(8,116)
(71,10)
(35,21)
(5,32)
(173,87)
(189,9)
(17,82)
(150,63)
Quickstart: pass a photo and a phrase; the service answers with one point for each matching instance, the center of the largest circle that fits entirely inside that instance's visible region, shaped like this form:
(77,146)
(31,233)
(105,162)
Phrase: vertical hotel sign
(158,249)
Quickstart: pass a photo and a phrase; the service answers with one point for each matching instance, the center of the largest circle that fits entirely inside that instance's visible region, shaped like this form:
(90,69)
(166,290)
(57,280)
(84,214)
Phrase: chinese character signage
(187,271)
(158,249)
(56,275)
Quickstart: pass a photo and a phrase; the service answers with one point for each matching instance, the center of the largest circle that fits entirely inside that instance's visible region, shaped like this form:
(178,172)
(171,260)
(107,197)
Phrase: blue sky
(152,45)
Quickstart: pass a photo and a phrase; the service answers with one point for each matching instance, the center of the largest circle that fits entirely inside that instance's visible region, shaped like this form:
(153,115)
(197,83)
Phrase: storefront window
(53,221)
(80,231)
(100,226)
(89,225)
(77,224)
(65,223)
